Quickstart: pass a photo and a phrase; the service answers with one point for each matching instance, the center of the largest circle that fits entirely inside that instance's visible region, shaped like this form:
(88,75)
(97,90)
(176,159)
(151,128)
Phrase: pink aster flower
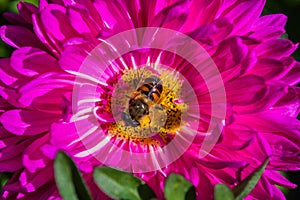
(216,83)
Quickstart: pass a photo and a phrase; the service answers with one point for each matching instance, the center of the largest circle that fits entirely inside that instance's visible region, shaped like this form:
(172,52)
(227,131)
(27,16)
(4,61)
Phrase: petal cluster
(51,42)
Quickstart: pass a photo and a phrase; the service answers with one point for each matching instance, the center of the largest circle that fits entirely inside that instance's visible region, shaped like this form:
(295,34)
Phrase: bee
(141,100)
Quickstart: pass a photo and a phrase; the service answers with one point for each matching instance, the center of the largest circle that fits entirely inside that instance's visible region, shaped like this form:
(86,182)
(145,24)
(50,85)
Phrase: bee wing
(140,78)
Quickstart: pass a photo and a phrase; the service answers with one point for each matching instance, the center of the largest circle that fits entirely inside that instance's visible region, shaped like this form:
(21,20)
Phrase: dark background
(291,8)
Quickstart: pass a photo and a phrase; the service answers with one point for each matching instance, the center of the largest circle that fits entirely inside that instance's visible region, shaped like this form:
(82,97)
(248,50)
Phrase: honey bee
(141,100)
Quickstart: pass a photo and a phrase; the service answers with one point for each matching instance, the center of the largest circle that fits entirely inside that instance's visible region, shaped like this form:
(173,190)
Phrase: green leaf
(117,184)
(178,188)
(35,2)
(191,194)
(12,6)
(222,192)
(247,185)
(68,179)
(146,193)
(4,177)
(3,5)
(284,36)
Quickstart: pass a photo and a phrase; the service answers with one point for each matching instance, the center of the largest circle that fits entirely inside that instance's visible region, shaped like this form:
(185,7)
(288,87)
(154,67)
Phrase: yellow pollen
(164,116)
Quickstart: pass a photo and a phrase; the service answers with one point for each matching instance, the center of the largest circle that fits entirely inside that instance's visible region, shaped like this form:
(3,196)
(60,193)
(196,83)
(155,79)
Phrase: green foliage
(146,193)
(68,179)
(3,5)
(178,188)
(35,2)
(248,184)
(4,177)
(222,192)
(121,185)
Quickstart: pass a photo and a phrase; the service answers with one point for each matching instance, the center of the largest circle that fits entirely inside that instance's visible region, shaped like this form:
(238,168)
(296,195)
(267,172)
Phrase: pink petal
(17,36)
(233,58)
(275,49)
(52,45)
(8,76)
(293,76)
(56,23)
(32,181)
(277,90)
(278,179)
(171,17)
(222,164)
(253,85)
(269,27)
(70,135)
(240,12)
(119,20)
(26,122)
(213,33)
(45,93)
(15,19)
(14,148)
(9,94)
(81,21)
(33,158)
(30,61)
(268,68)
(11,165)
(26,10)
(72,57)
(289,103)
(201,12)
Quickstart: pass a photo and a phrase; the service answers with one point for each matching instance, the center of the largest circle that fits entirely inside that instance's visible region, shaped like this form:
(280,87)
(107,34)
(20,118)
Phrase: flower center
(146,106)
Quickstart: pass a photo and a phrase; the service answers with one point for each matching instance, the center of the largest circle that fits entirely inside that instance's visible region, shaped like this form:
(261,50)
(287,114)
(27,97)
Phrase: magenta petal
(290,100)
(32,181)
(25,122)
(278,179)
(9,94)
(8,76)
(293,76)
(240,12)
(15,19)
(222,164)
(46,92)
(201,12)
(81,21)
(230,53)
(269,27)
(26,10)
(38,117)
(213,33)
(172,17)
(276,90)
(274,20)
(72,57)
(253,85)
(33,158)
(70,135)
(275,49)
(17,36)
(11,165)
(51,17)
(114,15)
(269,69)
(30,61)
(14,148)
